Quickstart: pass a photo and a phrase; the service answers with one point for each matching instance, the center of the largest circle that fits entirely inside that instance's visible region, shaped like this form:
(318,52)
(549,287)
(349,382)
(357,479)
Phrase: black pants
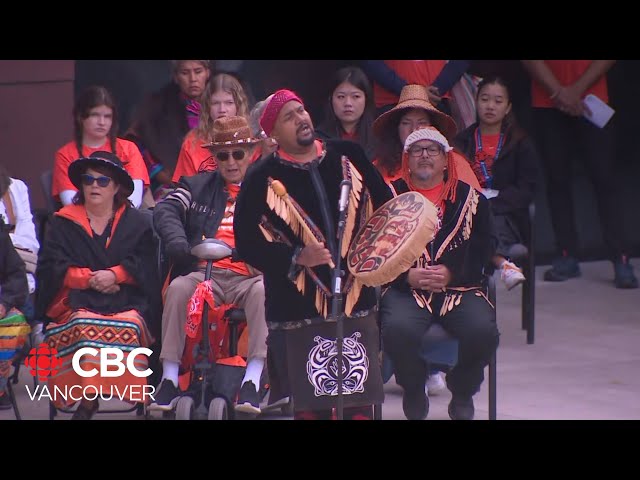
(404,325)
(560,137)
(506,232)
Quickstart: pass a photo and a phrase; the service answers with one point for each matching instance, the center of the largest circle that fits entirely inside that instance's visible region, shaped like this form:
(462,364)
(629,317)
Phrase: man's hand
(314,255)
(569,101)
(437,277)
(102,280)
(432,278)
(3,311)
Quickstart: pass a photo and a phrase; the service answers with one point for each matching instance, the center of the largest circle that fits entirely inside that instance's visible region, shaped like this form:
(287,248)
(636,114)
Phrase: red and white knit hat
(427,133)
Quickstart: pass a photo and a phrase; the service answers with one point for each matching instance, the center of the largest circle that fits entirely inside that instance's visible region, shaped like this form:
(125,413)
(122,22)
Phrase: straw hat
(228,131)
(415,96)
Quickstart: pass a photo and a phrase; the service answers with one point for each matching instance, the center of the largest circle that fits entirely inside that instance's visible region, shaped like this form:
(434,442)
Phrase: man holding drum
(286,221)
(445,284)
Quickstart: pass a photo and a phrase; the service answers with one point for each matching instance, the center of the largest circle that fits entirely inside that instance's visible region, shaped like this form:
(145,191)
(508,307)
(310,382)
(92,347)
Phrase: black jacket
(195,208)
(283,301)
(14,288)
(160,124)
(132,246)
(515,173)
(465,259)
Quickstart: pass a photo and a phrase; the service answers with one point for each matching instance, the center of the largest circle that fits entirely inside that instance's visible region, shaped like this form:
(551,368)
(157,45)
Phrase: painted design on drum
(384,233)
(322,366)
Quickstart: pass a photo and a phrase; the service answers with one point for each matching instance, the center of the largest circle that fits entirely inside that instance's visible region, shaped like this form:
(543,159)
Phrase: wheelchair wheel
(218,409)
(184,408)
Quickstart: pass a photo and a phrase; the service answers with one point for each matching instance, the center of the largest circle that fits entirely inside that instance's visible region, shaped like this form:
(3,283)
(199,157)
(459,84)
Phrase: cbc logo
(111,357)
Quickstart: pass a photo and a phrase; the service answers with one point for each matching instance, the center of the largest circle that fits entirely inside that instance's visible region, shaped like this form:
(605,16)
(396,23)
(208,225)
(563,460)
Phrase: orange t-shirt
(419,72)
(191,157)
(225,233)
(432,194)
(284,155)
(125,150)
(567,72)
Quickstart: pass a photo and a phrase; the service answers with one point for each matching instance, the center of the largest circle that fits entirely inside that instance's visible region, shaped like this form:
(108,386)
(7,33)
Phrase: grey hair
(256,113)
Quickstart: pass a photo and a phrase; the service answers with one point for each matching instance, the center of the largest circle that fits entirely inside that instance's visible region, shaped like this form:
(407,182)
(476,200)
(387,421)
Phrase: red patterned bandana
(271,111)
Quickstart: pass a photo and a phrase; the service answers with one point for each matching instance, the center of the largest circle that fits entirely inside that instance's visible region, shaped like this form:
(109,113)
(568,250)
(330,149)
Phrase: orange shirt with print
(567,72)
(191,156)
(225,232)
(419,72)
(125,150)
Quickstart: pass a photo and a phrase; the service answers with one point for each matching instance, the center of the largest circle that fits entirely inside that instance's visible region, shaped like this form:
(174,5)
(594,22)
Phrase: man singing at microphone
(286,225)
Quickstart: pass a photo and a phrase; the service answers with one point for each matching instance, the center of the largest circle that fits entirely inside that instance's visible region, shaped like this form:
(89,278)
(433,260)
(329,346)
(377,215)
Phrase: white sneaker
(511,275)
(436,384)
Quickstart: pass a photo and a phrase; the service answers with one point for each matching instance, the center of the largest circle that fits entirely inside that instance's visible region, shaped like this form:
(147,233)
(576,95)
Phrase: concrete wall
(36,98)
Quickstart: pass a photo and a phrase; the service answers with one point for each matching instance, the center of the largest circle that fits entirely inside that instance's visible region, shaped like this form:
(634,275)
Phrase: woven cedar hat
(229,131)
(415,96)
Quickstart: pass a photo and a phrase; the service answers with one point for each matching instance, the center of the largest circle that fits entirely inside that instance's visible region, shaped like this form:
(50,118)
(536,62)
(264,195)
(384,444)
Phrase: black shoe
(415,405)
(248,399)
(624,277)
(461,408)
(5,401)
(85,413)
(563,268)
(166,396)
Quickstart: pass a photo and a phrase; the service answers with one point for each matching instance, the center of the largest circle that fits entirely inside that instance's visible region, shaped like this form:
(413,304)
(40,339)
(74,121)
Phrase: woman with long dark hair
(95,128)
(349,110)
(506,164)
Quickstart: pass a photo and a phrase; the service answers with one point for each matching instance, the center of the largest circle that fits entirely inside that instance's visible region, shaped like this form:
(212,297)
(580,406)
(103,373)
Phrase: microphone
(345,188)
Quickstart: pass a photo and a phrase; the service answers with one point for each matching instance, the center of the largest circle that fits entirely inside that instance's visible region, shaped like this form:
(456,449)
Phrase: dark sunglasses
(89,179)
(236,154)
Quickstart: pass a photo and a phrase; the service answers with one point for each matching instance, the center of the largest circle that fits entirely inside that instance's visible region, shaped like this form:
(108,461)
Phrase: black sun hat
(105,159)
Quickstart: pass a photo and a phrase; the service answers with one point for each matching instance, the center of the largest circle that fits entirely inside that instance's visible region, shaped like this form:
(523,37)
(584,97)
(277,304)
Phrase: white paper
(601,113)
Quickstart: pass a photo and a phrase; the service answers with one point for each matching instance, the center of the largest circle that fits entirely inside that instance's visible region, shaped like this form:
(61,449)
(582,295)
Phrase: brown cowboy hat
(229,131)
(415,96)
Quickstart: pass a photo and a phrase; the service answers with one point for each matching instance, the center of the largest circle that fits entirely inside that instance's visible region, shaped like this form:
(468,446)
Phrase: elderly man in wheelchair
(200,208)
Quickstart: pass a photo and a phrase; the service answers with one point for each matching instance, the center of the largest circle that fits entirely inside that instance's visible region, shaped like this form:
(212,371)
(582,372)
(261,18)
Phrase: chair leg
(525,296)
(493,415)
(12,397)
(531,303)
(377,411)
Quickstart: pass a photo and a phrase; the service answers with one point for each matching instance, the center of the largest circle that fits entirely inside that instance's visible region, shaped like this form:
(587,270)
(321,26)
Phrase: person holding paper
(560,118)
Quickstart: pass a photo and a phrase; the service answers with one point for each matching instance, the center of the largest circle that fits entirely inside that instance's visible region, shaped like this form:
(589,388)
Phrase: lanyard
(488,178)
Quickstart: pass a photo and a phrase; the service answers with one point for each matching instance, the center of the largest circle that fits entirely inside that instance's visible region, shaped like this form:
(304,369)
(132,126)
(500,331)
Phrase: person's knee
(483,334)
(398,330)
(257,291)
(180,288)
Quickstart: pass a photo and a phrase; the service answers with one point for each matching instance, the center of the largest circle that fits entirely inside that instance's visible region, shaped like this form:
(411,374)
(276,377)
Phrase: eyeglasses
(432,150)
(89,179)
(236,154)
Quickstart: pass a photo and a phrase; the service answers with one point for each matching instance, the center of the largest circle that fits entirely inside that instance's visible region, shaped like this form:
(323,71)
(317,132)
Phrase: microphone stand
(336,303)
